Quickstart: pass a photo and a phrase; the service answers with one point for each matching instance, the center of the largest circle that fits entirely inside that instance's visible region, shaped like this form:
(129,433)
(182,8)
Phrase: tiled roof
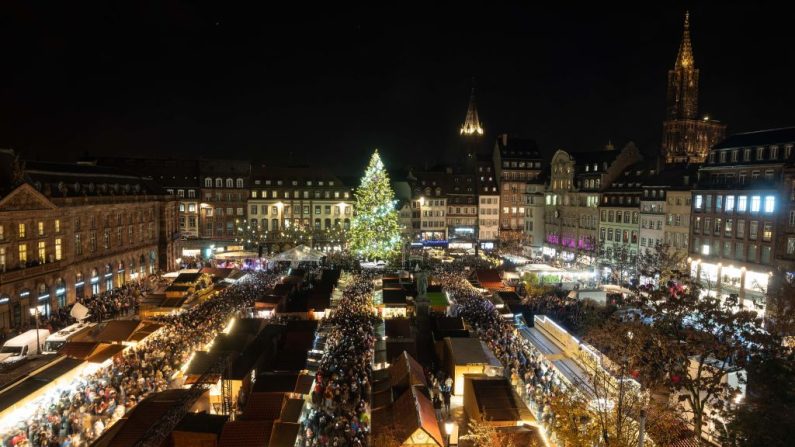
(246,433)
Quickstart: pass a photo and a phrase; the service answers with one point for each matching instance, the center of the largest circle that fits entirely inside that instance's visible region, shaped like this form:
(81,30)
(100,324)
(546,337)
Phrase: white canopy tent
(300,253)
(79,312)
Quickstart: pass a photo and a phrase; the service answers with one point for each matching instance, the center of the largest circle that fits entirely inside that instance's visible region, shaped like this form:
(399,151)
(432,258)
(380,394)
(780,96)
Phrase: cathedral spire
(472,124)
(685,57)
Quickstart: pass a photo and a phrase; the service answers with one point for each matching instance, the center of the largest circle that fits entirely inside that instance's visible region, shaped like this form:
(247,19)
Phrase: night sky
(199,78)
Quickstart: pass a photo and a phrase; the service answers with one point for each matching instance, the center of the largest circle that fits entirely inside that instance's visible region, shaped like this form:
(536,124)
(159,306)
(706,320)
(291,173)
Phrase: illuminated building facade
(516,162)
(742,222)
(305,197)
(573,195)
(70,230)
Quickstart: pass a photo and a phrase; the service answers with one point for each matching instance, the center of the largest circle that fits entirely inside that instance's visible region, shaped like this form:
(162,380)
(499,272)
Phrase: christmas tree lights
(375,233)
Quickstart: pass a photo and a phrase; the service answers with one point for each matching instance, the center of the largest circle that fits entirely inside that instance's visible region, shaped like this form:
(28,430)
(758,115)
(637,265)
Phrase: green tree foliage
(375,233)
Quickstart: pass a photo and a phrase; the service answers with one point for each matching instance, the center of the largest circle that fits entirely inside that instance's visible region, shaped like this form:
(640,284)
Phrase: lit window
(729,204)
(705,249)
(770,204)
(756,202)
(699,201)
(742,204)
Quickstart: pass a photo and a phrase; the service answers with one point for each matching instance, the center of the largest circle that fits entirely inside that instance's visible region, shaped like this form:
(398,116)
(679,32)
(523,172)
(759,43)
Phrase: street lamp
(35,313)
(624,361)
(449,426)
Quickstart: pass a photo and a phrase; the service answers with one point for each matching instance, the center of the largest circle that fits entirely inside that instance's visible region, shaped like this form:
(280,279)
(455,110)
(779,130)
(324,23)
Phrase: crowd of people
(341,410)
(80,411)
(119,302)
(530,373)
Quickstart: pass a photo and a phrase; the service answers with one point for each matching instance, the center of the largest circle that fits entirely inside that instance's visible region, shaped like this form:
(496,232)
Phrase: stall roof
(291,411)
(394,296)
(263,406)
(449,324)
(118,330)
(304,383)
(271,382)
(398,327)
(284,434)
(405,368)
(178,288)
(489,278)
(187,278)
(79,349)
(497,400)
(202,423)
(437,299)
(105,353)
(411,411)
(242,433)
(37,381)
(146,330)
(129,430)
(396,346)
(248,326)
(201,362)
(470,351)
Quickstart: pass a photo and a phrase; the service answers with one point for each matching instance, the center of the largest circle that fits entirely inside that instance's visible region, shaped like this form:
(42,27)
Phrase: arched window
(274,224)
(230,183)
(208,182)
(264,224)
(317,224)
(327,224)
(219,183)
(336,223)
(347,224)
(239,183)
(254,224)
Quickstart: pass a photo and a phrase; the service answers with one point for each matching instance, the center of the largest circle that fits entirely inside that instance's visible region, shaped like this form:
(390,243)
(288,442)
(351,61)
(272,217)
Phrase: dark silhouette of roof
(758,138)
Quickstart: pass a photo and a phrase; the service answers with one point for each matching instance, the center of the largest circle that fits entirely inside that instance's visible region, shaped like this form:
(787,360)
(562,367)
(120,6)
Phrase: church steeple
(686,138)
(684,59)
(683,80)
(472,124)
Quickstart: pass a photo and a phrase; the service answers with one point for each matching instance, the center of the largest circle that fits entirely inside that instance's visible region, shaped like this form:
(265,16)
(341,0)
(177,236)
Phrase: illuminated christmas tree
(375,233)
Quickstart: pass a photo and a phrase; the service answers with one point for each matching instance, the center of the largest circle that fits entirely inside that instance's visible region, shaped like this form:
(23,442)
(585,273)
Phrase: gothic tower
(683,80)
(471,133)
(686,137)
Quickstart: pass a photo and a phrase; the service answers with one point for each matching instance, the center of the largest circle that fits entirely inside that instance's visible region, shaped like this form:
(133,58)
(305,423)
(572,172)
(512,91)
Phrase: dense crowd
(525,367)
(77,414)
(340,414)
(119,302)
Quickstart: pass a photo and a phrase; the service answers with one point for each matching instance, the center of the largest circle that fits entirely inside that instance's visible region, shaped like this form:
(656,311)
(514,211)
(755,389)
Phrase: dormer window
(760,153)
(712,157)
(773,152)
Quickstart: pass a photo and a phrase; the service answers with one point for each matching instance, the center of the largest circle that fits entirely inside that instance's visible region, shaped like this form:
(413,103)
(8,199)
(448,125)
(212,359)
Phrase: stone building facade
(73,230)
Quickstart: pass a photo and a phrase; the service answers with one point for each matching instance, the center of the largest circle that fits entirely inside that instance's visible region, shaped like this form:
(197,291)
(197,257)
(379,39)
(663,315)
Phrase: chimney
(505,139)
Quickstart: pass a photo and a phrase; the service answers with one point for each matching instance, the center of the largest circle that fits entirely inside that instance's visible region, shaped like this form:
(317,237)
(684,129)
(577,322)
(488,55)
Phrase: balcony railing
(28,272)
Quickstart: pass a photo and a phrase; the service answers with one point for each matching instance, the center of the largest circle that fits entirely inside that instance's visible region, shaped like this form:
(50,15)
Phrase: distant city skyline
(196,81)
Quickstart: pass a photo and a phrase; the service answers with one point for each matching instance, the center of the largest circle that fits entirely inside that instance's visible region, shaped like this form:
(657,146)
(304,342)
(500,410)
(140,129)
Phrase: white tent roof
(298,254)
(79,312)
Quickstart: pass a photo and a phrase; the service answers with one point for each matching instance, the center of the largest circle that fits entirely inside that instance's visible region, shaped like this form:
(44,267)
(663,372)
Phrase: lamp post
(624,362)
(35,313)
(449,426)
